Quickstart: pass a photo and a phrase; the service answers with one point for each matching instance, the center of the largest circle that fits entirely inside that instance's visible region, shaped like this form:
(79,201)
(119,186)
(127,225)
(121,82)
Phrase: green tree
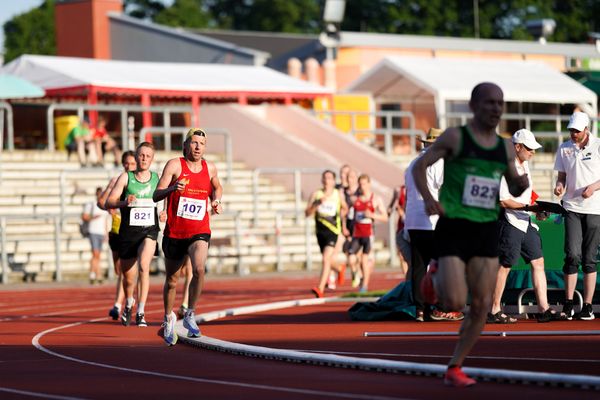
(184,13)
(30,33)
(143,9)
(299,16)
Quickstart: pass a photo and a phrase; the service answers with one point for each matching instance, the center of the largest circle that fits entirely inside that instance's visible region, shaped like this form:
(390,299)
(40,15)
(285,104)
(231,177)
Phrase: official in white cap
(578,166)
(519,237)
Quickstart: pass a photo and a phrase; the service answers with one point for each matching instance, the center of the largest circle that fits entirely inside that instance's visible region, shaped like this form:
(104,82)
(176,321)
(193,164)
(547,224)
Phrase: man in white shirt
(578,166)
(520,237)
(420,228)
(97,219)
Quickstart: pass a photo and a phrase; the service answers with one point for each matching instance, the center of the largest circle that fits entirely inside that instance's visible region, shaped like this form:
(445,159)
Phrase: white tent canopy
(443,79)
(50,72)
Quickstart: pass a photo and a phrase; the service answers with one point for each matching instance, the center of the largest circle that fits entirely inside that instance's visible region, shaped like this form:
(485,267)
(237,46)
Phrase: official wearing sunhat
(432,135)
(420,228)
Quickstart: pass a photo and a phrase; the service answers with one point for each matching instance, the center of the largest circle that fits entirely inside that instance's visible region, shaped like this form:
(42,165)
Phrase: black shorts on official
(466,239)
(130,241)
(113,241)
(359,243)
(515,243)
(326,238)
(176,249)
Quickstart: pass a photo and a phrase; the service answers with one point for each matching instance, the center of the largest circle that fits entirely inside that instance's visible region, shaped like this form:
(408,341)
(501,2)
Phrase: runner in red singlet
(368,207)
(193,190)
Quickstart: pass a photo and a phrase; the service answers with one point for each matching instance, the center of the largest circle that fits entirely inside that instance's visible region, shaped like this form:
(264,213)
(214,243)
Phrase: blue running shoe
(189,323)
(169,333)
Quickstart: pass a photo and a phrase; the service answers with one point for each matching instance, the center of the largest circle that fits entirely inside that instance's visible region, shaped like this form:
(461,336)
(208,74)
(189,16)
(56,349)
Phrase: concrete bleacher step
(30,182)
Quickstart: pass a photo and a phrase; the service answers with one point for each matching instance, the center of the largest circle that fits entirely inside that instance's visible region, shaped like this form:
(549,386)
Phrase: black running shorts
(176,249)
(466,239)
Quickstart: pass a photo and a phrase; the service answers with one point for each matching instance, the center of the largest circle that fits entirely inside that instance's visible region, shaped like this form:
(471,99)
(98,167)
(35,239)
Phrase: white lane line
(76,310)
(39,394)
(446,356)
(36,343)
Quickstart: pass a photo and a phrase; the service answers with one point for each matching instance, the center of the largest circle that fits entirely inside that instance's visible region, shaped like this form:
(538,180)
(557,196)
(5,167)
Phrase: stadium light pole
(333,15)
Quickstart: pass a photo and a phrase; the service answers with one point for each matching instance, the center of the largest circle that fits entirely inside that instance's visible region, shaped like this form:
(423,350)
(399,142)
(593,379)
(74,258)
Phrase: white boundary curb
(371,364)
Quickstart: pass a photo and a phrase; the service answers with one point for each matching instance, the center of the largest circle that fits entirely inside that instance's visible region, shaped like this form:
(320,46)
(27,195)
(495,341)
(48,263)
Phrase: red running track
(104,360)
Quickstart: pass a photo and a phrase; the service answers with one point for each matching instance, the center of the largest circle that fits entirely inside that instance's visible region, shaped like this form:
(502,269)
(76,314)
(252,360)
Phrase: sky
(10,8)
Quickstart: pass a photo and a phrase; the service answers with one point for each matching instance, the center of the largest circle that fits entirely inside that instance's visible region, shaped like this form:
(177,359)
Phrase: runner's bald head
(481,89)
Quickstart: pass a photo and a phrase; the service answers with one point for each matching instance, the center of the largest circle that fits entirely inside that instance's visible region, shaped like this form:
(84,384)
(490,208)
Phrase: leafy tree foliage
(30,33)
(185,13)
(143,9)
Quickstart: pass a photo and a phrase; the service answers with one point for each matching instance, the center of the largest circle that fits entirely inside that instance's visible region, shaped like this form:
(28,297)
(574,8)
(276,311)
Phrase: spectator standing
(466,235)
(520,237)
(420,227)
(97,220)
(578,166)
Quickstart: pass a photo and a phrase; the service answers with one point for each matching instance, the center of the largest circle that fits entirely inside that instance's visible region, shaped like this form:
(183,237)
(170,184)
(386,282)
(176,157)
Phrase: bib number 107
(194,209)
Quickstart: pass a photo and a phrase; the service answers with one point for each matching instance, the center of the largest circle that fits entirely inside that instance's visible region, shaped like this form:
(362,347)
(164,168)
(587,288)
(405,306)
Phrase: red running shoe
(457,378)
(427,289)
(341,273)
(318,294)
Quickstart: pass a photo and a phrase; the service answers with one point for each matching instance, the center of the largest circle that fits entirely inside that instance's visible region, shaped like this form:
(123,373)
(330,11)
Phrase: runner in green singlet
(466,235)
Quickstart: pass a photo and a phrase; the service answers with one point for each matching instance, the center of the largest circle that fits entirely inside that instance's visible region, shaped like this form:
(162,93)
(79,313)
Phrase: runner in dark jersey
(129,164)
(193,189)
(138,230)
(466,235)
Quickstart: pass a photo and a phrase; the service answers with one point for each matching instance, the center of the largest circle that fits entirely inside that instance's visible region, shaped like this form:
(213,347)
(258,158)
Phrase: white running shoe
(169,333)
(189,323)
(331,282)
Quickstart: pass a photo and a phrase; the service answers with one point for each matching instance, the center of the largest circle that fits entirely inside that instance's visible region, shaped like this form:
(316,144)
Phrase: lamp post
(333,15)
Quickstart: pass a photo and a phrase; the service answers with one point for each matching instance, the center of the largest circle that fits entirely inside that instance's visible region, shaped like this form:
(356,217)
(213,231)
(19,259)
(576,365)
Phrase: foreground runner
(466,235)
(139,228)
(129,164)
(190,183)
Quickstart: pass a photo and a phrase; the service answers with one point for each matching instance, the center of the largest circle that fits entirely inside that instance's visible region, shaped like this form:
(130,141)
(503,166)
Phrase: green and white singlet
(472,179)
(142,214)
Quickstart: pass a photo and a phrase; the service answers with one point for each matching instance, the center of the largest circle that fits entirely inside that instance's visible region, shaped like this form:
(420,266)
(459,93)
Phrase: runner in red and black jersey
(368,207)
(192,187)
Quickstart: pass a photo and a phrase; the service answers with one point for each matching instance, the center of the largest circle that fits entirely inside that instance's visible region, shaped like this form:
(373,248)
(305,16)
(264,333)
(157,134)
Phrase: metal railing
(527,119)
(168,131)
(388,132)
(275,231)
(124,110)
(62,182)
(10,130)
(297,174)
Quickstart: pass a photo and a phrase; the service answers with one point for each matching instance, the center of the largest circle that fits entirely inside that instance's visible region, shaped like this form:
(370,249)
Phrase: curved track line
(38,394)
(374,364)
(36,343)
